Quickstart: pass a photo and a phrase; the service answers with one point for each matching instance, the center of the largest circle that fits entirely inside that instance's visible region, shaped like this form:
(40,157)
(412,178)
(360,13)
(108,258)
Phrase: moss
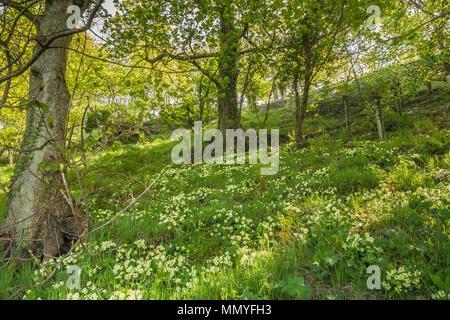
(31,137)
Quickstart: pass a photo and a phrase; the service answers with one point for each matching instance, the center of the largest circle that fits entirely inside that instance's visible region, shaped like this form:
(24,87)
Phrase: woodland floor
(345,202)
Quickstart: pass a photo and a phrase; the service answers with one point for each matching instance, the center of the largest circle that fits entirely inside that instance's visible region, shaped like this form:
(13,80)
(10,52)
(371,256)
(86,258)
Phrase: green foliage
(339,204)
(295,287)
(222,232)
(348,180)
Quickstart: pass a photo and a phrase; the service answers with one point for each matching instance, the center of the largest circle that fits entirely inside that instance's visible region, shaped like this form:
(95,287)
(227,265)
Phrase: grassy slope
(226,232)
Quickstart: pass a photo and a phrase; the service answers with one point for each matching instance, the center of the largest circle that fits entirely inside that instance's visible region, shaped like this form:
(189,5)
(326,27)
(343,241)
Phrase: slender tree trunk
(200,99)
(297,102)
(379,118)
(41,216)
(400,104)
(399,107)
(249,100)
(300,107)
(275,91)
(282,91)
(228,75)
(189,122)
(398,96)
(357,82)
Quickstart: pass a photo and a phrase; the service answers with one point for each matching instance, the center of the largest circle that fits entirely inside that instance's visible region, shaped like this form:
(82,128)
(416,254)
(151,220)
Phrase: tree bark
(379,118)
(42,216)
(357,82)
(398,95)
(282,91)
(400,105)
(301,107)
(228,74)
(275,91)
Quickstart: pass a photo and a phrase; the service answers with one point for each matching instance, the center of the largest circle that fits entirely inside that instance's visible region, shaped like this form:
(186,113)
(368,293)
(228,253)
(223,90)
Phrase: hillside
(209,152)
(345,202)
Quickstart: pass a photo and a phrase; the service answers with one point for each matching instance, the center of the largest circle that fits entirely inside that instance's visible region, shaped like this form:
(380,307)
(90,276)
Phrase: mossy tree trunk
(42,216)
(228,72)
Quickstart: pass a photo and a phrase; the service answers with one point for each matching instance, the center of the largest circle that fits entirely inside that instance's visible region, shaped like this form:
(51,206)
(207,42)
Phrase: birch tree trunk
(42,216)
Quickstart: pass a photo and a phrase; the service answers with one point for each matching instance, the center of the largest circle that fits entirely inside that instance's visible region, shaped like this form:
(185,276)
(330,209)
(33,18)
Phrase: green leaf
(447,284)
(437,280)
(295,287)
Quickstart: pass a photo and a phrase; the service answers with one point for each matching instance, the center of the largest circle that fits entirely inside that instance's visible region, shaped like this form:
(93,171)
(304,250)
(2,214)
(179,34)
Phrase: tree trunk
(379,118)
(400,105)
(228,108)
(201,99)
(275,91)
(41,215)
(228,75)
(301,108)
(249,100)
(398,92)
(282,91)
(296,99)
(357,82)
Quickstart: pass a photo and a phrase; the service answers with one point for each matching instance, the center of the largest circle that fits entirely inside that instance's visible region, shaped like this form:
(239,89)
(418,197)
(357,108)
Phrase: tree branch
(22,9)
(46,44)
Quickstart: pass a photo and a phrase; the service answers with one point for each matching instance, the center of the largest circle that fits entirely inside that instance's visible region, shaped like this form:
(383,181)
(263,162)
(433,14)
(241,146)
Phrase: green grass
(225,232)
